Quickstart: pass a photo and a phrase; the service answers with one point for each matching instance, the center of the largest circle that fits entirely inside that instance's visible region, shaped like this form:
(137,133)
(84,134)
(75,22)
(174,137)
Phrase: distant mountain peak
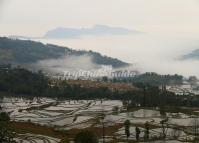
(96,30)
(194,55)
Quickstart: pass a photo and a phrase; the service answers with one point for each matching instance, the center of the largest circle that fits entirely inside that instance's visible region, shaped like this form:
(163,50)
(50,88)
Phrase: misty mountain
(26,52)
(193,55)
(97,30)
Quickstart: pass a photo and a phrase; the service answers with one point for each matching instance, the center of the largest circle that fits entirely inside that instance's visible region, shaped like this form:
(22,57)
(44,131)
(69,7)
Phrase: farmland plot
(87,114)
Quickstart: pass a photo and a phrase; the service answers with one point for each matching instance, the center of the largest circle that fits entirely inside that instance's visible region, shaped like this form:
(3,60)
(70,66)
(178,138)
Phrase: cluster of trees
(152,96)
(83,136)
(6,135)
(150,78)
(21,82)
(156,79)
(18,82)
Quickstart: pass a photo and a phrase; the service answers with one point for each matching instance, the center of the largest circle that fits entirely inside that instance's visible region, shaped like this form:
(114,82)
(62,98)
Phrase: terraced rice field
(82,114)
(32,138)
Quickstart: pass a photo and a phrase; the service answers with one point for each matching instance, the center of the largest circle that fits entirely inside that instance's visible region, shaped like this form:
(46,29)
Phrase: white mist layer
(151,52)
(72,63)
(79,66)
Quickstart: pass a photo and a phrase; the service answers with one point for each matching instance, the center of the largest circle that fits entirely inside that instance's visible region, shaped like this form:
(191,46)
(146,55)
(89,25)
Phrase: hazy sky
(35,17)
(170,26)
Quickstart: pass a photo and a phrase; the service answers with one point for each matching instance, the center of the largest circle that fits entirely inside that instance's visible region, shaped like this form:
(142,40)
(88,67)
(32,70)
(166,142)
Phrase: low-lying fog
(152,52)
(68,63)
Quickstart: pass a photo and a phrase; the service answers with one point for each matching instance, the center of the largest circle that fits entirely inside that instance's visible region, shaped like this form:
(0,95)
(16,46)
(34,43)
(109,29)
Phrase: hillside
(20,52)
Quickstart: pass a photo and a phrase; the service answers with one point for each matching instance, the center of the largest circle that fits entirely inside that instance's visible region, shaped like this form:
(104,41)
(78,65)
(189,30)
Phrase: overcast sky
(35,17)
(171,28)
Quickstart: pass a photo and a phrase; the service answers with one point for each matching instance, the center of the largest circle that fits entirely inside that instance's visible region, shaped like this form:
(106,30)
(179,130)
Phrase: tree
(146,132)
(137,130)
(164,127)
(4,117)
(6,136)
(101,119)
(195,128)
(162,111)
(127,124)
(193,80)
(86,137)
(104,78)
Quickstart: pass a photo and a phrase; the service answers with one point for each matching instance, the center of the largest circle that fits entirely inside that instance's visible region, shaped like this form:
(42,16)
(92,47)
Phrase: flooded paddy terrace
(72,115)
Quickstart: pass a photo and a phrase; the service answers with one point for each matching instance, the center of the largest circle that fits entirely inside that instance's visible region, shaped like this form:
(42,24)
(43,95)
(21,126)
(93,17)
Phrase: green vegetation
(21,82)
(156,79)
(20,52)
(86,137)
(151,78)
(6,136)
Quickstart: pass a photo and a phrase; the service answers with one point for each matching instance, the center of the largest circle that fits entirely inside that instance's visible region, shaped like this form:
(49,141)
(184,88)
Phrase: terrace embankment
(27,127)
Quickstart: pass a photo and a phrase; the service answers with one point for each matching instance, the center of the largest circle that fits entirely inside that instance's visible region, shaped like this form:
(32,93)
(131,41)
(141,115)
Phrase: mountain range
(97,30)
